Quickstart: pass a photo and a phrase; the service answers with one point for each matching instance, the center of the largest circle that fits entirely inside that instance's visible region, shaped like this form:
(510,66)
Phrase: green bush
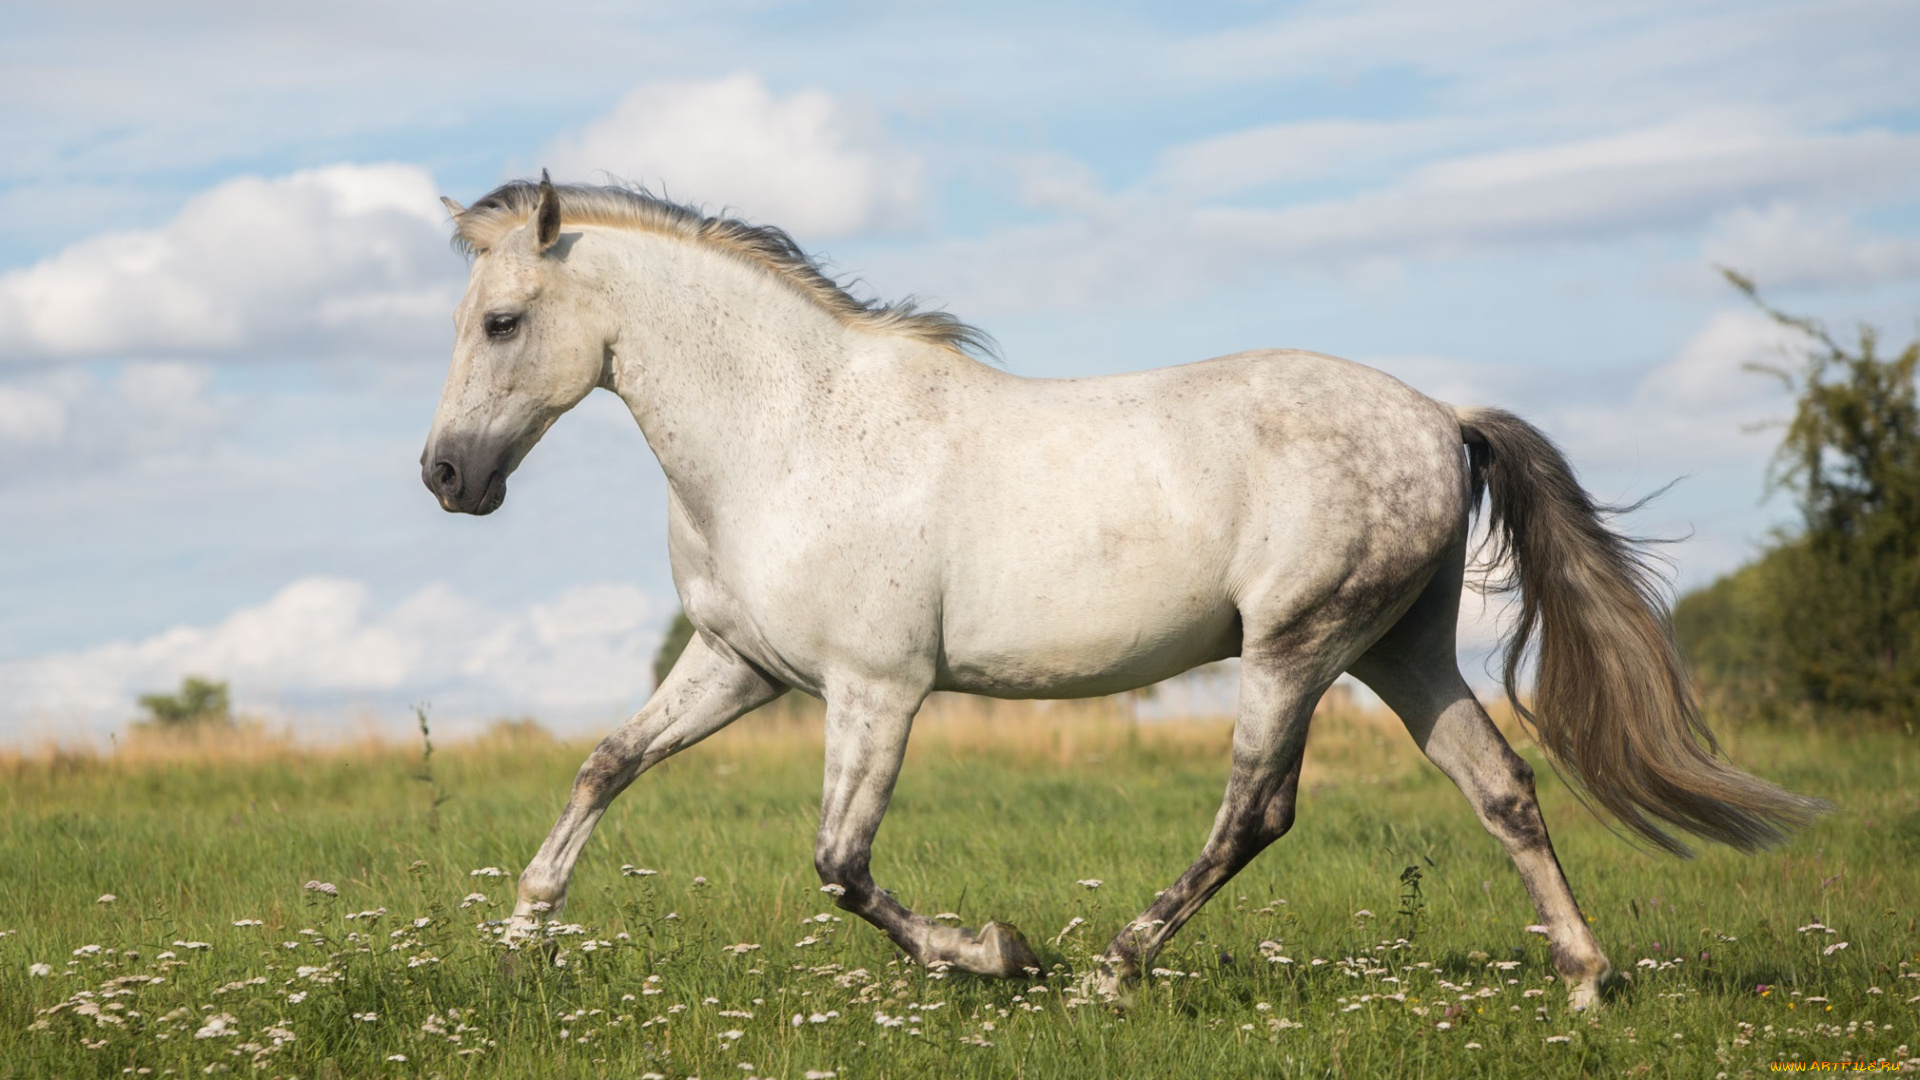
(1830,614)
(200,701)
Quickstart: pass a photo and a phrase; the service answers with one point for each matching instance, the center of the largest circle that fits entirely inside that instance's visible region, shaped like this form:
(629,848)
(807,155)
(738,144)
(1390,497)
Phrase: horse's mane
(511,204)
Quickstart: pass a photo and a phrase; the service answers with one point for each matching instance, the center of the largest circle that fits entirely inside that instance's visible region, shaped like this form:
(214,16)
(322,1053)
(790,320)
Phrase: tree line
(1828,615)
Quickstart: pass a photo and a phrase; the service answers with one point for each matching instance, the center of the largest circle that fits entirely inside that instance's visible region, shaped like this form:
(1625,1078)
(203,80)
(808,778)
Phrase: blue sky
(225,283)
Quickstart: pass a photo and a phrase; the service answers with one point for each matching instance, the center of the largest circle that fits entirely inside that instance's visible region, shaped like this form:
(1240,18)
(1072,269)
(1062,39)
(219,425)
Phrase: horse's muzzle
(463,480)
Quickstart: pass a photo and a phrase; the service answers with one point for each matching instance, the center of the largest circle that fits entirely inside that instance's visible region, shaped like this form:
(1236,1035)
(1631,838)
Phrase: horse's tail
(1612,704)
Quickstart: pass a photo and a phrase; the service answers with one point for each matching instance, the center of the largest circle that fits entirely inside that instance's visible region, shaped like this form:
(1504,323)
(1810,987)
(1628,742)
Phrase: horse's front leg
(867,727)
(706,691)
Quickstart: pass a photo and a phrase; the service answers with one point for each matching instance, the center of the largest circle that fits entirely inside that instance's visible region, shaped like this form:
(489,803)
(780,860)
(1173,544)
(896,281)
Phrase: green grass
(984,826)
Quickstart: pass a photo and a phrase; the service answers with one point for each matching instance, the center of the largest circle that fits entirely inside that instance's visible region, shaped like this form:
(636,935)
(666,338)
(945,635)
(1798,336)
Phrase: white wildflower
(1833,948)
(217,1026)
(39,971)
(248,922)
(475,898)
(834,890)
(106,898)
(326,888)
(1091,883)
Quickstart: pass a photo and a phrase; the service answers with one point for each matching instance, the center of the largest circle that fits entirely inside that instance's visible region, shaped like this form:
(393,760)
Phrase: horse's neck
(719,362)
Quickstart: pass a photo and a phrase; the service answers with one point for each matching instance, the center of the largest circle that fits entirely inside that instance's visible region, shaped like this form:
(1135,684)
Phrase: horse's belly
(1048,651)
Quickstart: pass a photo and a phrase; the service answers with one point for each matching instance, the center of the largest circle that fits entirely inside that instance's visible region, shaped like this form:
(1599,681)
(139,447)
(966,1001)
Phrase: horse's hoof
(1107,984)
(1008,953)
(520,966)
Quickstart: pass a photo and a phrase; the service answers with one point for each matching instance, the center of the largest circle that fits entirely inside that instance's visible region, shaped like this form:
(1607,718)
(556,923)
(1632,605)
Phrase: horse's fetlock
(541,886)
(1577,965)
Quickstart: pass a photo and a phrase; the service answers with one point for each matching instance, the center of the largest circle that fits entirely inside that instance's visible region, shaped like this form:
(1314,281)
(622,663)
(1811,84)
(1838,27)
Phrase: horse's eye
(501,325)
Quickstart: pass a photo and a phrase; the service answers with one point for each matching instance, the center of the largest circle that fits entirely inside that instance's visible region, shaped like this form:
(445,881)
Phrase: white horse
(860,510)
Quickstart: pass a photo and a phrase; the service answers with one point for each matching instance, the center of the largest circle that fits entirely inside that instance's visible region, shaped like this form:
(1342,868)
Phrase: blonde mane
(511,204)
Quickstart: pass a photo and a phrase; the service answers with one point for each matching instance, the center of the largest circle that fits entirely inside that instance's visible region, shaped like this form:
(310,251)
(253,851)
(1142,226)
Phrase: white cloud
(1672,175)
(1787,245)
(1140,245)
(1292,152)
(33,415)
(65,419)
(586,654)
(346,257)
(808,162)
(1573,63)
(1701,408)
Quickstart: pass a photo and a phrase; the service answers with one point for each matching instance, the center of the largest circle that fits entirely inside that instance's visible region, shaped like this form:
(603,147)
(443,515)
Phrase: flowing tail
(1612,704)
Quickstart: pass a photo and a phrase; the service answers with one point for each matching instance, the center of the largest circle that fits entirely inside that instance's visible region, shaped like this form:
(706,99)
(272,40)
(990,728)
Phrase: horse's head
(528,345)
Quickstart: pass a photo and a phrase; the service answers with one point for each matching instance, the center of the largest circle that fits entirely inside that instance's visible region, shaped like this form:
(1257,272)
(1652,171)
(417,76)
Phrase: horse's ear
(453,208)
(549,213)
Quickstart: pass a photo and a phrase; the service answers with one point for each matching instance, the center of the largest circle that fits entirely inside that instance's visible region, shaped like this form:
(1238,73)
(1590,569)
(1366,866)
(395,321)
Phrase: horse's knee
(1277,821)
(607,771)
(843,873)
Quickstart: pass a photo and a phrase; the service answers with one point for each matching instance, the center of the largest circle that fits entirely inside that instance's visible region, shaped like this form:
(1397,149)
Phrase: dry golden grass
(1347,741)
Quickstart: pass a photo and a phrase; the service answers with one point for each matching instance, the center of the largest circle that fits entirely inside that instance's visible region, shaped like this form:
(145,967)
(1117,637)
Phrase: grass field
(212,956)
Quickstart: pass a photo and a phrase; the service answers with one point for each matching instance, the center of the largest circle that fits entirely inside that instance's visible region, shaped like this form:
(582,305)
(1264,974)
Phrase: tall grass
(1313,962)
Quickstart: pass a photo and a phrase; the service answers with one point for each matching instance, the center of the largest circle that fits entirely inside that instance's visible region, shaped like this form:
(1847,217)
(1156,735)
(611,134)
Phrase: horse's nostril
(446,478)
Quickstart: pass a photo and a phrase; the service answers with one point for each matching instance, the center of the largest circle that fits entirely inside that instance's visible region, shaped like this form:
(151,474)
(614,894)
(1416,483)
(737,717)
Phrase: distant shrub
(1829,615)
(200,701)
(521,730)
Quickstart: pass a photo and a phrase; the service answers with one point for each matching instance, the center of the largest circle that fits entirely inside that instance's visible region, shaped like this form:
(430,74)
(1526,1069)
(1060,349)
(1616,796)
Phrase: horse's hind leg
(1277,695)
(867,727)
(1415,671)
(705,692)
